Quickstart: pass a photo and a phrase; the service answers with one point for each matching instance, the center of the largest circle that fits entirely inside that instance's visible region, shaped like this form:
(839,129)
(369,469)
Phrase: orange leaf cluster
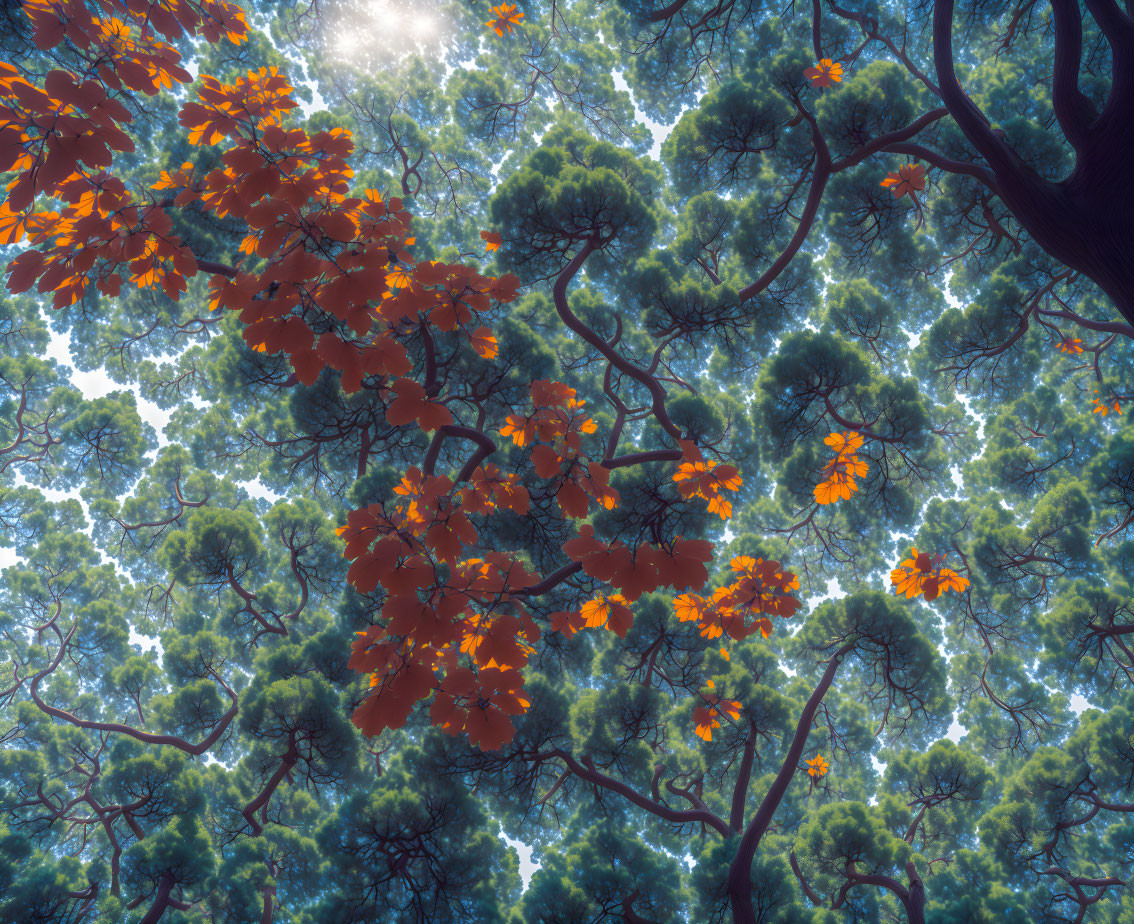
(839,474)
(697,478)
(1067,345)
(908,179)
(817,767)
(325,277)
(742,608)
(611,612)
(237,110)
(324,250)
(707,717)
(507,15)
(680,565)
(344,255)
(923,573)
(1105,407)
(824,73)
(117,33)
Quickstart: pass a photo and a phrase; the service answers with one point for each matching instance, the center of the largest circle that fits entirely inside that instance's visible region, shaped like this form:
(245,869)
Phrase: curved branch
(171,740)
(971,121)
(806,220)
(652,385)
(963,167)
(1072,108)
(677,816)
(739,889)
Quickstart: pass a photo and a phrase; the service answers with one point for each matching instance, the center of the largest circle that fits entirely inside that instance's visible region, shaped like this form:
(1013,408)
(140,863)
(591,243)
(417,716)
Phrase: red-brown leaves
(908,179)
(740,609)
(697,478)
(466,609)
(488,488)
(923,573)
(414,406)
(398,683)
(322,250)
(559,421)
(480,705)
(648,567)
(634,572)
(240,109)
(324,275)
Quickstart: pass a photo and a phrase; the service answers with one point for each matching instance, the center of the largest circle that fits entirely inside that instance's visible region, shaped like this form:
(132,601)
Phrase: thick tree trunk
(269,905)
(1087,220)
(915,905)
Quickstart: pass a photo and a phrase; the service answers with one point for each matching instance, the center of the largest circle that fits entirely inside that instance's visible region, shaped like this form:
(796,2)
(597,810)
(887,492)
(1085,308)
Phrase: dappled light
(410,453)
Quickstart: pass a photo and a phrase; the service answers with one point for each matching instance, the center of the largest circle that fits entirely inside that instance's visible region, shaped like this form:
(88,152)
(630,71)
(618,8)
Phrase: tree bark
(739,885)
(1085,221)
(161,900)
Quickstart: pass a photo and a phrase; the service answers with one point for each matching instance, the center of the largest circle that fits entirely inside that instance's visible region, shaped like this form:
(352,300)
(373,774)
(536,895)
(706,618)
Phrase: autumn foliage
(840,472)
(905,181)
(507,15)
(708,716)
(924,574)
(824,73)
(326,276)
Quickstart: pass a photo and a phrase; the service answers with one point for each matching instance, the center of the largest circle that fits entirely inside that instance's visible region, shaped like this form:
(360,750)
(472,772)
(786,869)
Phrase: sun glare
(384,28)
(423,26)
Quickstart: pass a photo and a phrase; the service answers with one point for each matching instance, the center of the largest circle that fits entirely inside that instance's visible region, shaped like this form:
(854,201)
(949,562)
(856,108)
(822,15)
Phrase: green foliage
(175,618)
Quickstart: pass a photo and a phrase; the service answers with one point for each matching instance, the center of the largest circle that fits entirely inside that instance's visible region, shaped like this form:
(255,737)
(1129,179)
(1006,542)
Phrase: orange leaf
(824,73)
(507,15)
(908,179)
(484,342)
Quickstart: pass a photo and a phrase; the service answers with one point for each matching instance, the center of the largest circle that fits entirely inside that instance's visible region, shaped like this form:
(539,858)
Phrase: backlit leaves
(696,477)
(924,574)
(609,612)
(839,474)
(824,73)
(1105,406)
(507,15)
(708,717)
(742,608)
(908,179)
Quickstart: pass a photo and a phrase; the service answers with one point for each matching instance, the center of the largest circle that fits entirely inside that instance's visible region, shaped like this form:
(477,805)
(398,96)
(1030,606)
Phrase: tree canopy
(691,441)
